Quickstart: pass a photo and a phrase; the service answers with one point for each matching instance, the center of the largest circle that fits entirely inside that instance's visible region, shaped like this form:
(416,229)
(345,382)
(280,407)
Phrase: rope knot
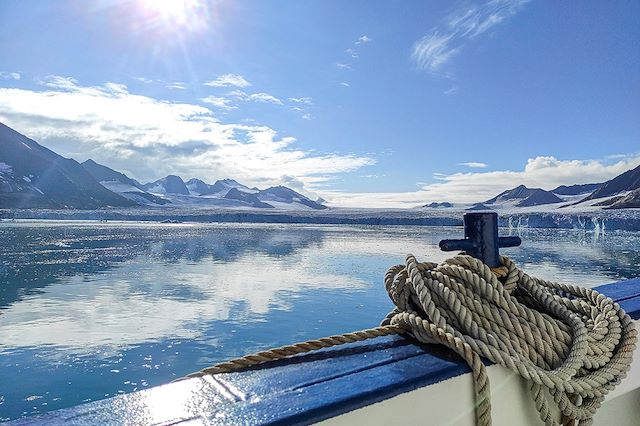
(572,341)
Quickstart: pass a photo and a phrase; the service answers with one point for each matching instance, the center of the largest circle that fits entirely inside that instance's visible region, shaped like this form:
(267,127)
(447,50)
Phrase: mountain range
(32,176)
(621,192)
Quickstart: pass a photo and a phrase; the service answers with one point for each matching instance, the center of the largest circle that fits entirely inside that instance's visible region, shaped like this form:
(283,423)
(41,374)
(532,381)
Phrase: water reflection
(91,310)
(585,258)
(35,256)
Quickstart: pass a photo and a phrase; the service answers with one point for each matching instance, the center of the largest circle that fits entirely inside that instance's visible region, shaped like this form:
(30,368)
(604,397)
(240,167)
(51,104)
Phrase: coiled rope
(572,344)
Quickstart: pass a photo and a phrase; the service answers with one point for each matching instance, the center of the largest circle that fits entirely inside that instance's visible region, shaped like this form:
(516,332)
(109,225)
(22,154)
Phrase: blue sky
(365,103)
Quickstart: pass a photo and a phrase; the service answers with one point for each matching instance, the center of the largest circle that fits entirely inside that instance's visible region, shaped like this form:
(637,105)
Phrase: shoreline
(626,220)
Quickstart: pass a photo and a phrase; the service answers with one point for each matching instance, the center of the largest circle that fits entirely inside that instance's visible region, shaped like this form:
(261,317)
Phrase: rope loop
(571,343)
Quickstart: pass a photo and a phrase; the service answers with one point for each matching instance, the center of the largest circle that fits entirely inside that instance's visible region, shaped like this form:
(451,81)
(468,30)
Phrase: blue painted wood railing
(301,390)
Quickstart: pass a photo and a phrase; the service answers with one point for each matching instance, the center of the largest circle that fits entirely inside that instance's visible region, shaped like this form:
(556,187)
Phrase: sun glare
(169,8)
(189,15)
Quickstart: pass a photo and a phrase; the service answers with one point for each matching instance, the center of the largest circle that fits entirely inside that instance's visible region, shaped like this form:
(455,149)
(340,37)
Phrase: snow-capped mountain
(280,196)
(34,176)
(521,196)
(105,174)
(229,193)
(443,205)
(197,186)
(223,186)
(629,201)
(232,190)
(250,198)
(219,188)
(170,184)
(122,184)
(627,181)
(586,188)
(621,192)
(479,206)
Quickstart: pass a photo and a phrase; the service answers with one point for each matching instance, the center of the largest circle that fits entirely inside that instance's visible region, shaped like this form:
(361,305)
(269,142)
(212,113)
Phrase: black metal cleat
(481,239)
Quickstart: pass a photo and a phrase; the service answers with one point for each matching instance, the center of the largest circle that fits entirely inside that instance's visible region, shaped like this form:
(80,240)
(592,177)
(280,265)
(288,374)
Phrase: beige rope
(571,343)
(295,349)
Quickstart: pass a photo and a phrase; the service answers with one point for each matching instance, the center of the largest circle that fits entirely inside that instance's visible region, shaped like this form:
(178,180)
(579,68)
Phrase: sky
(363,103)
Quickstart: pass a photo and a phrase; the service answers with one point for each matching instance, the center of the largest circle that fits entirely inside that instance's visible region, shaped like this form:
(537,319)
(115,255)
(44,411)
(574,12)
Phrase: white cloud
(144,80)
(432,51)
(176,85)
(307,116)
(345,84)
(115,88)
(5,75)
(451,90)
(351,52)
(240,94)
(228,80)
(540,172)
(303,100)
(255,97)
(616,156)
(444,42)
(264,97)
(474,165)
(219,102)
(58,82)
(153,137)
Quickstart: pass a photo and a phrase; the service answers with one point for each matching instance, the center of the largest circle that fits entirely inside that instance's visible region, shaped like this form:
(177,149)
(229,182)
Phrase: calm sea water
(91,310)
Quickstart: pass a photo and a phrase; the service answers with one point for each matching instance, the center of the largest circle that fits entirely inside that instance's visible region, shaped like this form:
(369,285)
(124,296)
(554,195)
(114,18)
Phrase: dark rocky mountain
(197,186)
(443,205)
(121,184)
(539,197)
(629,201)
(32,176)
(222,186)
(104,173)
(251,199)
(171,184)
(479,206)
(218,188)
(576,189)
(282,194)
(521,196)
(627,181)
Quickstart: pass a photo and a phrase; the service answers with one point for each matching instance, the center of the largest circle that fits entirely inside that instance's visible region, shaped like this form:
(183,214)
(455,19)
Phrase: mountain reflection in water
(90,310)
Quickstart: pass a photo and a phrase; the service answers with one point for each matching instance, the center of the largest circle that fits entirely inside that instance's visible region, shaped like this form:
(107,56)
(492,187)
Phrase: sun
(169,8)
(185,14)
